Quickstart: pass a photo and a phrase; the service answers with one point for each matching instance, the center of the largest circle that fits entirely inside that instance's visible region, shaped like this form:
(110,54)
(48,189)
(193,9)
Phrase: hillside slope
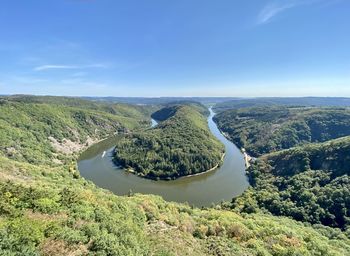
(309,183)
(39,132)
(267,129)
(47,209)
(120,109)
(180,145)
(282,101)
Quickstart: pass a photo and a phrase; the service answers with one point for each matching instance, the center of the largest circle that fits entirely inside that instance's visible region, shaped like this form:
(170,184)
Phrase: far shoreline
(132,171)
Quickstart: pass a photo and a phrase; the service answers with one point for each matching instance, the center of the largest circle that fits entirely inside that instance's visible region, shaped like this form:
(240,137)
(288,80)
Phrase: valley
(180,145)
(266,129)
(297,202)
(200,190)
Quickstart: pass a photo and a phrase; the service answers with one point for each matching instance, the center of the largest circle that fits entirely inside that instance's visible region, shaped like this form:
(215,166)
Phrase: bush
(46,205)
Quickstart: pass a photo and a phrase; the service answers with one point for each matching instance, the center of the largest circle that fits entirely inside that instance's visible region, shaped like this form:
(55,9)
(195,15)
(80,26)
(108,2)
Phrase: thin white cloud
(51,67)
(47,67)
(274,8)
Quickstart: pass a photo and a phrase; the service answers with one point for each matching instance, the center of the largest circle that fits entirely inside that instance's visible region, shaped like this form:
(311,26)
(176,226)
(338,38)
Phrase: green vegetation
(126,110)
(171,109)
(180,145)
(27,126)
(286,101)
(48,209)
(309,183)
(266,129)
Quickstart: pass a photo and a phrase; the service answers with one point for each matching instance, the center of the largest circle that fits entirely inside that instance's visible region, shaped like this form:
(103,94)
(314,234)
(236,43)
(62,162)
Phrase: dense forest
(181,144)
(282,101)
(168,110)
(262,130)
(159,100)
(27,123)
(46,208)
(309,183)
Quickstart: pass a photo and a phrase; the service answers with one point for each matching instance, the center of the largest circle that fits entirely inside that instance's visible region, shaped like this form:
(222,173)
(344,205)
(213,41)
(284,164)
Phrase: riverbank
(132,171)
(88,144)
(247,158)
(207,171)
(226,181)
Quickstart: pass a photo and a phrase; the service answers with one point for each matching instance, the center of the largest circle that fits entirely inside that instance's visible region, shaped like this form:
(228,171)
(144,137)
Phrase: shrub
(46,205)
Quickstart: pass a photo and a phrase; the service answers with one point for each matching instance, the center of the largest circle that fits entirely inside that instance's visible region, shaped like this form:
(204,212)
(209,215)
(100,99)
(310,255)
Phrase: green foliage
(267,129)
(309,183)
(46,205)
(171,109)
(180,145)
(119,109)
(32,131)
(77,219)
(44,210)
(222,232)
(21,236)
(286,101)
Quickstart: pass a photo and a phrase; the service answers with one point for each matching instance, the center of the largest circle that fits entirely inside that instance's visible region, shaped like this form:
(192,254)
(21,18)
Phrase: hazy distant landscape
(175,128)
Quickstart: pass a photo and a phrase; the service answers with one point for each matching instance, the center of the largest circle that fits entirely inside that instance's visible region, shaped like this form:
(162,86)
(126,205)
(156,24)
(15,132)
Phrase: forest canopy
(48,209)
(181,144)
(308,183)
(262,130)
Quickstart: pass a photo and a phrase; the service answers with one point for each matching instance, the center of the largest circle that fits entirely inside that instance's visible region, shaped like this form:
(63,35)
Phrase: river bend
(224,183)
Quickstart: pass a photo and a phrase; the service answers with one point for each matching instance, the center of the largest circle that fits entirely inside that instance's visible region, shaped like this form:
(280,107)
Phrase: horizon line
(150,97)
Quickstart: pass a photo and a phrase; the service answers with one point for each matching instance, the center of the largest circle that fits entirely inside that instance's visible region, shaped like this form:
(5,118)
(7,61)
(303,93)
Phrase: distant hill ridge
(262,130)
(287,101)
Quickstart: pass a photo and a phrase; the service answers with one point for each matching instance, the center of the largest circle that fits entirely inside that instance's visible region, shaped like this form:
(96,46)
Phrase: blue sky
(175,48)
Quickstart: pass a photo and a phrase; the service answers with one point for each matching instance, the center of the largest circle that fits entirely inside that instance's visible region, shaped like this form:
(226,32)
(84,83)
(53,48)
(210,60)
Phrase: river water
(224,183)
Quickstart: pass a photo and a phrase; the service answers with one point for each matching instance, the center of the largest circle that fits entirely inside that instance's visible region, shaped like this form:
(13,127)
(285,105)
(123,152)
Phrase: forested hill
(170,109)
(282,101)
(309,183)
(181,144)
(48,209)
(38,129)
(262,130)
(120,109)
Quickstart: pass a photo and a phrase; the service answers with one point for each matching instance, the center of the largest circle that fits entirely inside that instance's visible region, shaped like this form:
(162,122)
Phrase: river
(224,183)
